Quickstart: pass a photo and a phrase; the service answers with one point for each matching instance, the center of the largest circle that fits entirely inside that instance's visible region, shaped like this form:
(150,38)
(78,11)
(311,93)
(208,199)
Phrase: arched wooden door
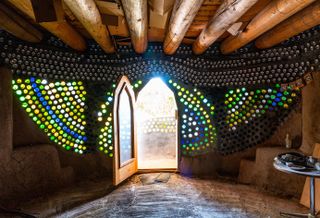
(125,149)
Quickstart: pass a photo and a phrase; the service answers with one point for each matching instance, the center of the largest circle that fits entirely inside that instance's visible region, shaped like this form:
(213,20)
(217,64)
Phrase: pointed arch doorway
(157,132)
(145,131)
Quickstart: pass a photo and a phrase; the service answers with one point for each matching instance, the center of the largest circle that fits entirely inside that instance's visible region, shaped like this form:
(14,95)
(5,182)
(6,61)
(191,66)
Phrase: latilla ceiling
(201,23)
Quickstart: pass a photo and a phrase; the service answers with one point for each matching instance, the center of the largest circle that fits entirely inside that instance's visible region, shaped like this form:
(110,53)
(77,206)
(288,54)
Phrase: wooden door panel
(124,141)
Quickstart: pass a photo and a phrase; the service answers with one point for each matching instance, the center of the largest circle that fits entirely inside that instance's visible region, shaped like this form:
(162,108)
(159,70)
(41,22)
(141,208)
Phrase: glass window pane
(125,128)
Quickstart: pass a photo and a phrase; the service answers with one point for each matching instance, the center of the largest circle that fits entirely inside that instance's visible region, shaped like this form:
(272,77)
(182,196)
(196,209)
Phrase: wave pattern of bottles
(244,105)
(105,118)
(198,132)
(58,108)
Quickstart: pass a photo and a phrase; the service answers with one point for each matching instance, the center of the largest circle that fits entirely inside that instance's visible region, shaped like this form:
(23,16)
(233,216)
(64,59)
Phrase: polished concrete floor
(178,196)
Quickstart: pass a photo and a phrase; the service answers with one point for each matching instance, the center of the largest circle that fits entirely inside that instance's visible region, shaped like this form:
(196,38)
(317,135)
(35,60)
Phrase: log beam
(88,14)
(17,26)
(303,20)
(61,29)
(137,18)
(182,16)
(228,13)
(274,13)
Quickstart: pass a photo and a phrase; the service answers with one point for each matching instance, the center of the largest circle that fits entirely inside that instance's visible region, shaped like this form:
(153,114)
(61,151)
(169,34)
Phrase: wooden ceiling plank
(301,21)
(207,13)
(228,13)
(202,18)
(88,14)
(182,16)
(137,18)
(121,29)
(44,10)
(212,2)
(62,30)
(270,16)
(110,20)
(158,21)
(59,10)
(156,34)
(17,25)
(110,8)
(188,41)
(161,7)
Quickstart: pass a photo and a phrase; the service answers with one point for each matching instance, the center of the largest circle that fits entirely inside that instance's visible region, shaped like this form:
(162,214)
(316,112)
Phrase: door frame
(124,171)
(178,149)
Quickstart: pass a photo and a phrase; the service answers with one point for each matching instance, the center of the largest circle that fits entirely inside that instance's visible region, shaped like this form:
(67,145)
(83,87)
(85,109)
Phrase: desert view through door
(156,112)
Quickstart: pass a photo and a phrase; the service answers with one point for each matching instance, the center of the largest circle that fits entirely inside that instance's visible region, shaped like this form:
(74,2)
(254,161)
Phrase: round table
(309,173)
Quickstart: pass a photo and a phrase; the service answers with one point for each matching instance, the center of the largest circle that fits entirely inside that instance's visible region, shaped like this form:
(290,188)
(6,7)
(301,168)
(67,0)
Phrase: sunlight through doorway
(157,127)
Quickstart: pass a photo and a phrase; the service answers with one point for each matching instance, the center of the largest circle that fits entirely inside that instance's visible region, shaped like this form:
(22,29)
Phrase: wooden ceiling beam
(303,20)
(88,14)
(137,18)
(254,10)
(228,13)
(61,29)
(18,26)
(65,32)
(274,13)
(182,16)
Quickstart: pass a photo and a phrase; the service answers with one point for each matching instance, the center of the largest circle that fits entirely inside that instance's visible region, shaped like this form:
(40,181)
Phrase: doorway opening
(157,129)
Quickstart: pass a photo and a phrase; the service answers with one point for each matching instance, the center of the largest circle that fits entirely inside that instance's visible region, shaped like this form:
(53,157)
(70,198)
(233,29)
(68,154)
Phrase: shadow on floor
(63,200)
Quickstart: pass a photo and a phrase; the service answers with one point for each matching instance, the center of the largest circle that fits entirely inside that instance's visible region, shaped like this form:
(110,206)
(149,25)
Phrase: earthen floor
(184,197)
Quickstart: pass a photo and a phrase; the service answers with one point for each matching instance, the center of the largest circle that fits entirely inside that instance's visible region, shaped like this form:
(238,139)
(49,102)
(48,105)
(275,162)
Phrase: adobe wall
(30,166)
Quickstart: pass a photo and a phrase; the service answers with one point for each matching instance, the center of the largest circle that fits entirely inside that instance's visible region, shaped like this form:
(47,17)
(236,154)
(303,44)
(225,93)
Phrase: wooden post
(305,196)
(17,26)
(88,14)
(182,16)
(270,16)
(62,29)
(228,13)
(6,119)
(305,19)
(137,18)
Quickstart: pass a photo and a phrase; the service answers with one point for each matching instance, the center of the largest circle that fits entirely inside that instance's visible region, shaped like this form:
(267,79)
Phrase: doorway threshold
(164,170)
